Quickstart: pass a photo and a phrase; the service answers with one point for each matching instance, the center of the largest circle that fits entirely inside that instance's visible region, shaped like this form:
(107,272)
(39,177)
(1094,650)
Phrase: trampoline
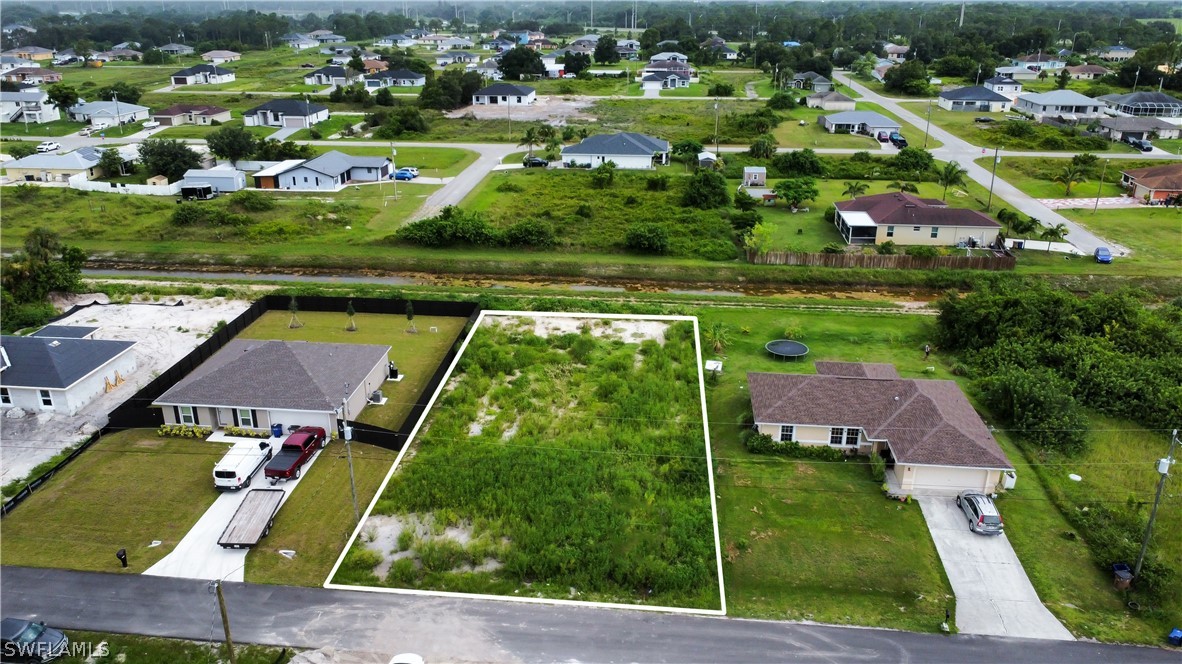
(786,349)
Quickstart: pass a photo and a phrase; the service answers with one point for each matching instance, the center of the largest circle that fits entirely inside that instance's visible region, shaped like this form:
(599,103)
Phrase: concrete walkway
(198,556)
(993,594)
(284,133)
(1108,203)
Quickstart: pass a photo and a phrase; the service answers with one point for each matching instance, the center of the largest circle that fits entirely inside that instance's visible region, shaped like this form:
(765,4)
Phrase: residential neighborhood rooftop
(55,362)
(900,208)
(624,143)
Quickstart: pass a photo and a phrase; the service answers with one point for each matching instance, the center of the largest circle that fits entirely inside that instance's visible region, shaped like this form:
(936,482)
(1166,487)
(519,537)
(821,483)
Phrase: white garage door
(293,122)
(946,477)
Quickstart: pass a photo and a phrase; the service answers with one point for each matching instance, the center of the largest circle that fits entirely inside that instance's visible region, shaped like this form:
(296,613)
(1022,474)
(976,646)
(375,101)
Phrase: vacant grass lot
(416,355)
(56,128)
(134,648)
(990,135)
(673,121)
(1035,176)
(1154,235)
(124,492)
(575,459)
(433,162)
(144,77)
(201,131)
(333,125)
(809,540)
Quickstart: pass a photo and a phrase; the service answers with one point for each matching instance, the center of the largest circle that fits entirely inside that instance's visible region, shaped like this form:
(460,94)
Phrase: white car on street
(49,146)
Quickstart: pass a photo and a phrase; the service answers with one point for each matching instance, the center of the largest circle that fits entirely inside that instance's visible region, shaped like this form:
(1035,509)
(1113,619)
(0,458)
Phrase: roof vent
(55,343)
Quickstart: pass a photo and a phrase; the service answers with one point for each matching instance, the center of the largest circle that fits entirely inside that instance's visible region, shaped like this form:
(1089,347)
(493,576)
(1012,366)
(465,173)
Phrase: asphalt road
(463,630)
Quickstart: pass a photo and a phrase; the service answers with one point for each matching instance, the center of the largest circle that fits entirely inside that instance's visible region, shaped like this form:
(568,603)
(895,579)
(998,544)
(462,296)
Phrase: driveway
(198,556)
(993,594)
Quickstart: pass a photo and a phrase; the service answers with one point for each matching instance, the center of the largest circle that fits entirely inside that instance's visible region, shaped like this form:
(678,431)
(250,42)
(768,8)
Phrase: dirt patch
(732,552)
(382,532)
(629,331)
(549,109)
(804,469)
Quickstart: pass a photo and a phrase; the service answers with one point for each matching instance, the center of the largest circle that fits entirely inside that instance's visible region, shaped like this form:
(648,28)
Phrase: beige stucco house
(906,219)
(932,439)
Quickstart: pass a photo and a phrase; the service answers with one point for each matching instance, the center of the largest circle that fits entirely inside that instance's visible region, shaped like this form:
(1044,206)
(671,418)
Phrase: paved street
(455,630)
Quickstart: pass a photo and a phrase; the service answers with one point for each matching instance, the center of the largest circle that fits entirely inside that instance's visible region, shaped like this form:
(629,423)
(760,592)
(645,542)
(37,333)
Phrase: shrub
(452,226)
(585,211)
(1038,402)
(657,183)
(922,251)
(781,101)
(647,238)
(189,214)
(402,573)
(721,90)
(252,201)
(759,443)
(833,248)
(743,222)
(508,187)
(530,233)
(888,248)
(406,539)
(877,468)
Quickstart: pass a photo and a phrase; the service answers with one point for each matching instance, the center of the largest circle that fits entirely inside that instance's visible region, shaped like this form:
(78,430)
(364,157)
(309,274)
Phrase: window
(915,229)
(890,231)
(935,231)
(836,435)
(246,418)
(851,437)
(305,178)
(46,398)
(187,417)
(787,433)
(5,397)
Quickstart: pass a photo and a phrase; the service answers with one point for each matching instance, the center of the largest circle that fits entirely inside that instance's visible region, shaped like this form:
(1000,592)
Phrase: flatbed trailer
(253,519)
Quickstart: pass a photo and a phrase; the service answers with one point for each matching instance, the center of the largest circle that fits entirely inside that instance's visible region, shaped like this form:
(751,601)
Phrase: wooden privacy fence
(879,261)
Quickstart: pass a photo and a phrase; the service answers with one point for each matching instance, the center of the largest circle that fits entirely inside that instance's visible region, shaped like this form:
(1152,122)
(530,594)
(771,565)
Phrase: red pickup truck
(295,452)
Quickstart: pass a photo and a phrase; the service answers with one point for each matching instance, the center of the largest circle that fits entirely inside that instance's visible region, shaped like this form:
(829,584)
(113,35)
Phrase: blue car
(1103,255)
(403,174)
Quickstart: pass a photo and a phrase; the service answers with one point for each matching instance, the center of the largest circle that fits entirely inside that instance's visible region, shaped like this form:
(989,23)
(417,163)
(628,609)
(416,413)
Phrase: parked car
(883,137)
(244,459)
(27,641)
(569,75)
(981,512)
(48,146)
(534,162)
(151,124)
(411,169)
(294,453)
(897,140)
(86,131)
(1102,255)
(983,119)
(1144,146)
(403,174)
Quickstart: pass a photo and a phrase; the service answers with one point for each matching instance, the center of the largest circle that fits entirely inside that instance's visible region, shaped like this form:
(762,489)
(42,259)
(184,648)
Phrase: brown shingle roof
(904,209)
(1158,177)
(857,369)
(288,375)
(924,421)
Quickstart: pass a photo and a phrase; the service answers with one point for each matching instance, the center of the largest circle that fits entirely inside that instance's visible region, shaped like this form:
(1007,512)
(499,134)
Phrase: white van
(240,464)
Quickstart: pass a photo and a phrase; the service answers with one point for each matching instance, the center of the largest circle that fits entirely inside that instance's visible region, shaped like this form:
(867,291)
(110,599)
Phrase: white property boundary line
(538,600)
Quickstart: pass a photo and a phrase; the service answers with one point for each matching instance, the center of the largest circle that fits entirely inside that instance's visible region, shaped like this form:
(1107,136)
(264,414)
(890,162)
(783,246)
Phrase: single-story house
(176,49)
(1115,53)
(223,179)
(505,93)
(627,150)
(373,66)
(255,383)
(1016,73)
(395,41)
(1157,182)
(344,56)
(1005,86)
(1086,72)
(1120,128)
(8,62)
(830,101)
(1065,104)
(754,176)
(218,57)
(455,57)
(117,54)
(49,167)
(927,430)
(664,81)
(669,56)
(61,368)
(895,52)
(398,78)
(328,172)
(329,38)
(1146,103)
(111,112)
(977,98)
(665,67)
(35,75)
(454,43)
(858,122)
(31,53)
(725,52)
(906,219)
(331,75)
(879,72)
(27,106)
(126,44)
(1039,61)
(202,75)
(811,80)
(499,44)
(299,41)
(196,114)
(285,113)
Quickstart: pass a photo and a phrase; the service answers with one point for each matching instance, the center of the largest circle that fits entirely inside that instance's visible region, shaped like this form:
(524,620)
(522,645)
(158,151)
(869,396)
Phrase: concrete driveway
(993,594)
(198,556)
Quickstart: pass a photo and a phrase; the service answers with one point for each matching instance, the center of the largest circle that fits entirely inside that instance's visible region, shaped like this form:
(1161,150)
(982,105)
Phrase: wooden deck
(252,521)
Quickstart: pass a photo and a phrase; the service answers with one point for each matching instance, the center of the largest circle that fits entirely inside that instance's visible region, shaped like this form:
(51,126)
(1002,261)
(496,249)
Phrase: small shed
(223,179)
(158,180)
(707,160)
(754,176)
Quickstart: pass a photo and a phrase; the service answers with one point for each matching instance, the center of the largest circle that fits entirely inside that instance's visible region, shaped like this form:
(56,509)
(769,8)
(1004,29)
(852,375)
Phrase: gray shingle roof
(293,107)
(857,369)
(333,163)
(973,93)
(624,143)
(1001,80)
(1059,98)
(64,331)
(869,118)
(290,375)
(49,363)
(505,90)
(925,421)
(79,160)
(203,69)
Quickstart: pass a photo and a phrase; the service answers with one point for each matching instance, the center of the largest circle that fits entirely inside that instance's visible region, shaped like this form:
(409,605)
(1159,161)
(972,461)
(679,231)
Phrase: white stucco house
(27,106)
(329,172)
(976,98)
(505,94)
(627,150)
(285,113)
(1066,104)
(202,75)
(1005,86)
(111,112)
(61,368)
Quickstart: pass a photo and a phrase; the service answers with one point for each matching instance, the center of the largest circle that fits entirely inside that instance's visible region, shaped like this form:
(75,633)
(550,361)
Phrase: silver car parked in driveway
(981,512)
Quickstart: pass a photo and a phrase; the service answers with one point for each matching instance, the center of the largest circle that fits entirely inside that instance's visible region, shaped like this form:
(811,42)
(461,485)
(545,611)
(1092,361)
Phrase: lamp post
(1100,189)
(992,178)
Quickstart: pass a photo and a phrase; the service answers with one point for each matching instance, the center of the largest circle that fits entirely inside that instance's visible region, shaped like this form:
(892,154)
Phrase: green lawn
(1034,176)
(432,162)
(134,648)
(55,128)
(990,135)
(1171,145)
(144,77)
(673,121)
(416,355)
(809,540)
(597,86)
(201,131)
(333,125)
(113,497)
(1153,233)
(694,90)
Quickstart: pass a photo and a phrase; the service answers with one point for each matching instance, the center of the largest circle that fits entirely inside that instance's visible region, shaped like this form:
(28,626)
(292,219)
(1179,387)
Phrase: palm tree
(1022,227)
(583,132)
(553,145)
(529,139)
(1054,233)
(718,336)
(1071,175)
(901,186)
(950,175)
(855,189)
(546,133)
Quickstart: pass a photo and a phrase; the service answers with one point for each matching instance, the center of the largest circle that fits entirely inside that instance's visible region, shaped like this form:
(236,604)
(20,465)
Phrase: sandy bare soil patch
(628,331)
(552,110)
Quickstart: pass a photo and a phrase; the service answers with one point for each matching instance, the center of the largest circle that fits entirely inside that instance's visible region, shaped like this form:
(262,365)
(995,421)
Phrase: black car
(27,641)
(534,162)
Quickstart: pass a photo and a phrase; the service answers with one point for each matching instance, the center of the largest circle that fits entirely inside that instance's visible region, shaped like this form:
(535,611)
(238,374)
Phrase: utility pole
(348,435)
(1100,189)
(928,127)
(217,588)
(996,161)
(1163,467)
(716,153)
